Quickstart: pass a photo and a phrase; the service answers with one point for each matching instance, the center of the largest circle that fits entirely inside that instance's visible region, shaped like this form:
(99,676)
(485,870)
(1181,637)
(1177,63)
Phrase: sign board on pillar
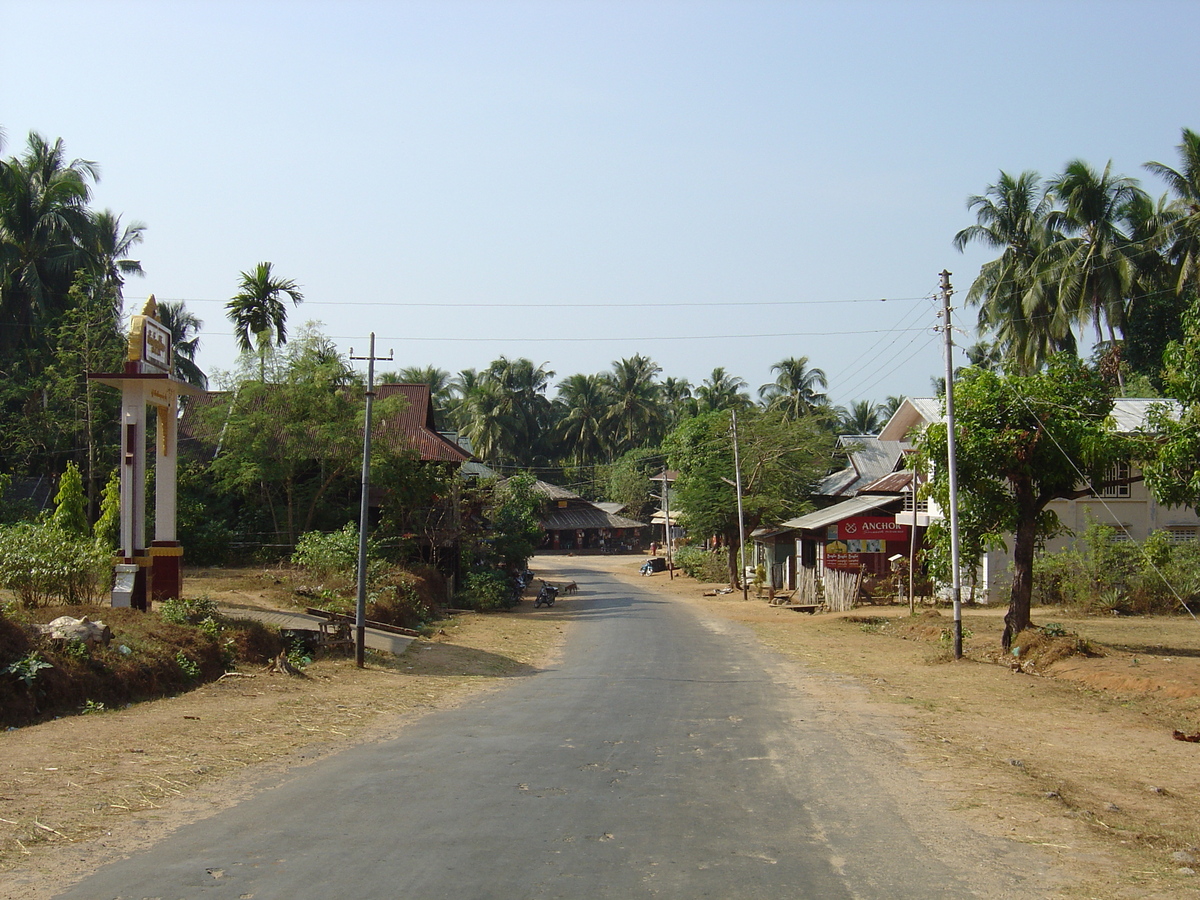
(146,381)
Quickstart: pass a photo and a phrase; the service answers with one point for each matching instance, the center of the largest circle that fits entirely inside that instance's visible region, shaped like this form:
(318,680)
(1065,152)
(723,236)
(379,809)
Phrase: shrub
(399,602)
(1101,575)
(486,592)
(187,610)
(41,562)
(703,565)
(335,553)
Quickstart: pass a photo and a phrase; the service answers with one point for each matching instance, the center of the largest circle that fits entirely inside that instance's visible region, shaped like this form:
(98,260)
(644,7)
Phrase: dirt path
(1081,766)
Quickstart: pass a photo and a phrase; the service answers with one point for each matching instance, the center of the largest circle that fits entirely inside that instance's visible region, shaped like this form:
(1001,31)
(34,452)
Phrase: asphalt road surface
(666,755)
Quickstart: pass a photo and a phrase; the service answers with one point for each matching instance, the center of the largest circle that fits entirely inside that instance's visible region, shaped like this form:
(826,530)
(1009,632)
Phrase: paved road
(667,755)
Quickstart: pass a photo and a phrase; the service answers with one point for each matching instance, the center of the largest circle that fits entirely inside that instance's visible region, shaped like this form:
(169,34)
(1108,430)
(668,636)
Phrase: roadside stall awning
(844,510)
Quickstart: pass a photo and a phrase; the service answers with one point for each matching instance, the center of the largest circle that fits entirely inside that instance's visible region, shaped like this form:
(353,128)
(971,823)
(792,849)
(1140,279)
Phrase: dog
(570,588)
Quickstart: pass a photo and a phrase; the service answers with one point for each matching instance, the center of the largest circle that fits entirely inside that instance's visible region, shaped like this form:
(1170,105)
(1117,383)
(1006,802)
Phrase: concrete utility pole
(364,518)
(737,473)
(666,499)
(952,467)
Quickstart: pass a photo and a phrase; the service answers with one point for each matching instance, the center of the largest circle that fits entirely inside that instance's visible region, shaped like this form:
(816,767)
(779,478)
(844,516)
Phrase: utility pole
(364,520)
(952,467)
(737,474)
(666,499)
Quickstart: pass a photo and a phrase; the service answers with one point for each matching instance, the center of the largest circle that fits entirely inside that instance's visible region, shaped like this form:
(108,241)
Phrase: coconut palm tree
(720,390)
(635,414)
(507,415)
(44,223)
(258,310)
(678,402)
(863,417)
(185,327)
(583,404)
(109,245)
(1184,232)
(794,390)
(1091,262)
(1016,300)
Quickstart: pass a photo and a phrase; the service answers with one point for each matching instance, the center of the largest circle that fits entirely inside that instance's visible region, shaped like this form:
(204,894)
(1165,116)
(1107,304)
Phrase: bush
(326,555)
(41,562)
(703,565)
(486,592)
(187,611)
(1101,575)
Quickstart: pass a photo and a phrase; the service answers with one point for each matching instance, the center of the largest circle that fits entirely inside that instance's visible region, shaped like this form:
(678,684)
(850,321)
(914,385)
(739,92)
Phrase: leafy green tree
(258,311)
(628,481)
(1022,441)
(781,458)
(287,446)
(107,530)
(507,414)
(515,530)
(1172,470)
(69,515)
(794,390)
(890,405)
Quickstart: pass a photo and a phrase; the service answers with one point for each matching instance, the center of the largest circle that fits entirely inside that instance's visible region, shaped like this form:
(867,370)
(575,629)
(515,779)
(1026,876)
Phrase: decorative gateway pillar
(142,573)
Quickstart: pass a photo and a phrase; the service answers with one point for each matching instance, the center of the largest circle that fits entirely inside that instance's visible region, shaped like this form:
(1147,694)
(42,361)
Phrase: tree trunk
(732,550)
(1016,619)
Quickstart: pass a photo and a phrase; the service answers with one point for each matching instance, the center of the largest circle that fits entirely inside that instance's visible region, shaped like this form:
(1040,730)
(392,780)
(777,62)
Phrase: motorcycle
(545,596)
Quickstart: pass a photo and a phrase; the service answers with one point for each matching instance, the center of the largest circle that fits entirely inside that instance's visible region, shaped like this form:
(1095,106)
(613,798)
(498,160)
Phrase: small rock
(1111,807)
(1185,870)
(1184,856)
(1052,795)
(1156,790)
(1018,763)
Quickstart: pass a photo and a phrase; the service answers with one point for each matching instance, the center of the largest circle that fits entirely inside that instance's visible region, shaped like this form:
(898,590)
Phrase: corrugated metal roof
(895,483)
(870,460)
(1131,413)
(553,491)
(575,517)
(838,511)
(414,426)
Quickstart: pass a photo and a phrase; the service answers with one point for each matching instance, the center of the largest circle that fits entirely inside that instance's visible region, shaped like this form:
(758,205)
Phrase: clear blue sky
(576,182)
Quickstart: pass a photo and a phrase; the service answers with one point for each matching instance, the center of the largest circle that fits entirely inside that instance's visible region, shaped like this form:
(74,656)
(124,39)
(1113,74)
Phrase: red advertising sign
(872,528)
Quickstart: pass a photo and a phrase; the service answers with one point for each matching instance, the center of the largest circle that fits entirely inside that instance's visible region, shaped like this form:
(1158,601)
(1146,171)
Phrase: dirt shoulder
(1077,760)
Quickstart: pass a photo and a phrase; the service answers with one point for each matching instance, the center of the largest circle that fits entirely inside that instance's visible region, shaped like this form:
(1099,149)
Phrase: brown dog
(570,588)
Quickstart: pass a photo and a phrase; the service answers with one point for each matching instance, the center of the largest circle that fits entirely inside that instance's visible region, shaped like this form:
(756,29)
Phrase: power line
(404,304)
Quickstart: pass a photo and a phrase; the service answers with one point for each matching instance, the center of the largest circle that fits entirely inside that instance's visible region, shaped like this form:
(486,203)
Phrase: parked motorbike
(545,596)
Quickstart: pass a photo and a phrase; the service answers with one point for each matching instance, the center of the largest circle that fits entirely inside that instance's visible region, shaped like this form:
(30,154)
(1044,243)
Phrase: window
(1118,473)
(1182,534)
